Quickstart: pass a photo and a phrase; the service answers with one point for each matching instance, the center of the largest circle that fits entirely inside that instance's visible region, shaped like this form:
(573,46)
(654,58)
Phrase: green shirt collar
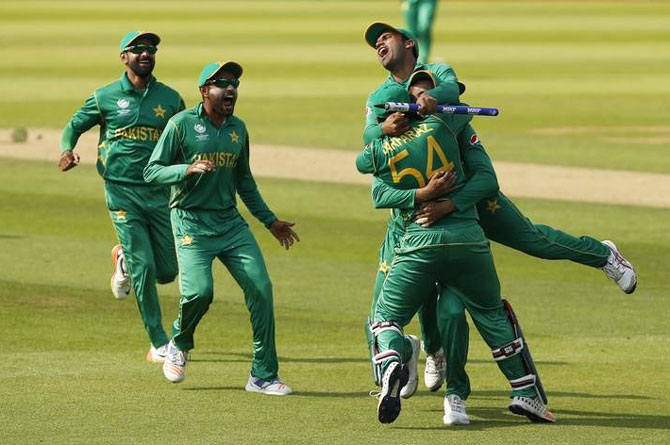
(417,66)
(126,86)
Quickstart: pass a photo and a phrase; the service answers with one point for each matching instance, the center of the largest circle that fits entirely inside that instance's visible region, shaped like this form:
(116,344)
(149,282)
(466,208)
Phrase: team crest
(199,128)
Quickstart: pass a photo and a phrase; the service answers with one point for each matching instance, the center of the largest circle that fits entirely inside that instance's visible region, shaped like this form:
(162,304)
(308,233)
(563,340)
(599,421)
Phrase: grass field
(579,83)
(74,367)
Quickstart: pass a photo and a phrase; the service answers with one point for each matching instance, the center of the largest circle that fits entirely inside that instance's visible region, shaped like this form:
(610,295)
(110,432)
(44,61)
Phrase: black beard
(140,70)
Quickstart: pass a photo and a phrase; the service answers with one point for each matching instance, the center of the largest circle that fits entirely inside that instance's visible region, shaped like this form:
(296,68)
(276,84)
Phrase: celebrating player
(502,222)
(132,113)
(204,153)
(397,52)
(453,252)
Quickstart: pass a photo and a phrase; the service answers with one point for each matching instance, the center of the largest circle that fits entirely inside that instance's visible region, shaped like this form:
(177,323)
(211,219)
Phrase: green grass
(545,64)
(73,366)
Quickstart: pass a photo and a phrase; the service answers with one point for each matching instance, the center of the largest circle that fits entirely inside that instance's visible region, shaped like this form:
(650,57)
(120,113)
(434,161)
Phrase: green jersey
(481,182)
(207,200)
(131,122)
(408,161)
(446,92)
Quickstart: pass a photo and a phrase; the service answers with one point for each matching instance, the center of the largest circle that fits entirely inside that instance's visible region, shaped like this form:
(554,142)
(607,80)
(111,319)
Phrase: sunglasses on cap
(224,83)
(139,49)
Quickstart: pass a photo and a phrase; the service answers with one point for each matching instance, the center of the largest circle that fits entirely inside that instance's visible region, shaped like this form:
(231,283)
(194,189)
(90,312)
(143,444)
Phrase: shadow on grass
(501,418)
(245,357)
(295,393)
(550,394)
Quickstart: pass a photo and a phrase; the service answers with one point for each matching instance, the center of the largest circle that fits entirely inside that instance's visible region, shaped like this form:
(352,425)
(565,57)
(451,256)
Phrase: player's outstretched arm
(248,190)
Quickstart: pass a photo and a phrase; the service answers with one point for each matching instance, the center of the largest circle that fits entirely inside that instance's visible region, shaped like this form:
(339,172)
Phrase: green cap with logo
(374,30)
(212,69)
(392,92)
(130,38)
(428,75)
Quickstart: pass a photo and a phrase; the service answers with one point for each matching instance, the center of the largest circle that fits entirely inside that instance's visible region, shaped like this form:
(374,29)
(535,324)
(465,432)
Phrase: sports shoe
(409,389)
(272,387)
(395,377)
(619,269)
(120,280)
(454,411)
(533,408)
(174,366)
(436,369)
(157,355)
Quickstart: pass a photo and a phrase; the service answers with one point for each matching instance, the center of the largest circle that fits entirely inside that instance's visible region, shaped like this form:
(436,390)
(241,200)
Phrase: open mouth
(382,51)
(228,101)
(145,62)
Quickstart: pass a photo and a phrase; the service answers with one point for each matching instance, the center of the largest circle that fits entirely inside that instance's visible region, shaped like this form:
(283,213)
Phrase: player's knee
(261,288)
(203,292)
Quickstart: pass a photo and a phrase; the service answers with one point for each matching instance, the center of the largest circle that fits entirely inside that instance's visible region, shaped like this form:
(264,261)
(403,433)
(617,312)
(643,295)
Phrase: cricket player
(398,53)
(132,113)
(419,16)
(453,252)
(204,154)
(508,227)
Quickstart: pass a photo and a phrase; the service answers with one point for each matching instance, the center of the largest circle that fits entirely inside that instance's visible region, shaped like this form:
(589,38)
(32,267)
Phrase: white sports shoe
(436,369)
(454,411)
(533,408)
(395,377)
(272,387)
(409,389)
(619,269)
(174,366)
(157,355)
(120,281)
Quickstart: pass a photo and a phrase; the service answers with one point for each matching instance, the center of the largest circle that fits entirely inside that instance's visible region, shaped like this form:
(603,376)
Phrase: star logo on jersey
(384,267)
(234,137)
(120,215)
(186,240)
(160,112)
(492,205)
(474,140)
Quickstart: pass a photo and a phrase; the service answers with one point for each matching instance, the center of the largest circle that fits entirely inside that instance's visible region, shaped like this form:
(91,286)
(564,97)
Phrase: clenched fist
(68,160)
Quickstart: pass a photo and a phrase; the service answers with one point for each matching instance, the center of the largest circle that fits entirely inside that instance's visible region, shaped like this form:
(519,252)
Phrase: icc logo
(123,103)
(199,128)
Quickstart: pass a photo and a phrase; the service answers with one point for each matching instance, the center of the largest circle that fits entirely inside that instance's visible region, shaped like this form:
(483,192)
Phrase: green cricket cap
(393,92)
(374,30)
(212,69)
(428,75)
(129,38)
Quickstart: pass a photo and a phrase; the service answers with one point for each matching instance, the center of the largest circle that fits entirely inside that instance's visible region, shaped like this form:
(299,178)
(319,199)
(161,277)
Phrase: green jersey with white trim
(131,121)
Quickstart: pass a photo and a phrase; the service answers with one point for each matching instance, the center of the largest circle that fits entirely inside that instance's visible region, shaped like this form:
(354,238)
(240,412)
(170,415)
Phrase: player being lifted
(132,113)
(453,252)
(502,222)
(204,153)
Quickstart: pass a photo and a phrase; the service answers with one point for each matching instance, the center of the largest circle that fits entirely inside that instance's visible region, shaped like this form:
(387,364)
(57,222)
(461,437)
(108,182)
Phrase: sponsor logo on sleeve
(474,140)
